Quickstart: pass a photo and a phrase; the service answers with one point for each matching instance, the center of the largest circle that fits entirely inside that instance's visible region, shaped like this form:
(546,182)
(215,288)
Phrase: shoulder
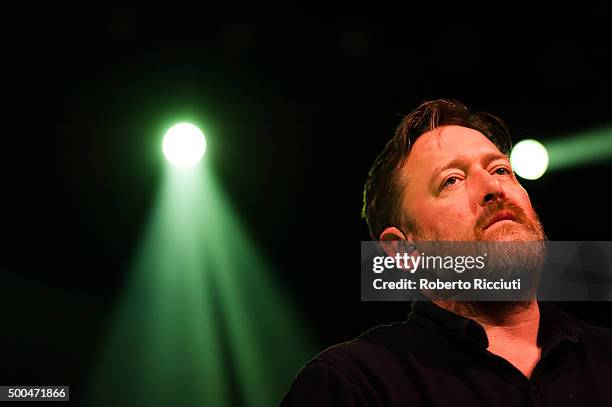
(375,348)
(377,357)
(598,336)
(595,338)
(365,370)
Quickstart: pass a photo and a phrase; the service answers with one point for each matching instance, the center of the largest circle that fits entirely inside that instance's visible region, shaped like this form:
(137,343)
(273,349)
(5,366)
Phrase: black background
(300,102)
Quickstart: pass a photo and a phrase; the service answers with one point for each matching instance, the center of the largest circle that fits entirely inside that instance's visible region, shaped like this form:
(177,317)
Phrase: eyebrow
(458,162)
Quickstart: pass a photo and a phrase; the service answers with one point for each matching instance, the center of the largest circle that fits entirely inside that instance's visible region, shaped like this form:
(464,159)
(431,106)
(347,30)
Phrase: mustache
(492,210)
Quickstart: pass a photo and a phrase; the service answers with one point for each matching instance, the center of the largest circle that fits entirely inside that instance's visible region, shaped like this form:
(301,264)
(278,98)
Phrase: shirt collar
(461,328)
(555,325)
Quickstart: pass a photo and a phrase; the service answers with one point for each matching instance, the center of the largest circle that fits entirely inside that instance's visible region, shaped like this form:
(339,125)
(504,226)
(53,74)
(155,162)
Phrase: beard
(516,250)
(523,228)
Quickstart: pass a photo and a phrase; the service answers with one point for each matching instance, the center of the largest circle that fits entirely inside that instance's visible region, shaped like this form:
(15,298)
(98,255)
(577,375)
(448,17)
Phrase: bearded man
(446,176)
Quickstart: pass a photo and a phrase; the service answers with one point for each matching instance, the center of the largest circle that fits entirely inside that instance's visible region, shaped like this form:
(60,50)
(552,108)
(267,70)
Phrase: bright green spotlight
(529,159)
(184,145)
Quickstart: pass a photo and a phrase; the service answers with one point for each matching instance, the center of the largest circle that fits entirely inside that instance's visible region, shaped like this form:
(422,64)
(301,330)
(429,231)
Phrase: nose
(489,188)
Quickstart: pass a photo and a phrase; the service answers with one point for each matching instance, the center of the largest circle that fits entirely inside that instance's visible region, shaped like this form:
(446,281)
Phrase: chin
(509,232)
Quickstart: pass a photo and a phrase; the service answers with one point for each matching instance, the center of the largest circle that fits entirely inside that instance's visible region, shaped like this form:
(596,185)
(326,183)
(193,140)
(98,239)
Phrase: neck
(512,329)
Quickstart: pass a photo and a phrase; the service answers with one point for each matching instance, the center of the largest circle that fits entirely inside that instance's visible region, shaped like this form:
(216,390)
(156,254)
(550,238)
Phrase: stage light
(184,145)
(183,332)
(529,159)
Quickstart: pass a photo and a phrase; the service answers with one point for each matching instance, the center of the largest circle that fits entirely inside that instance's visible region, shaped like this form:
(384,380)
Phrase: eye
(502,171)
(449,182)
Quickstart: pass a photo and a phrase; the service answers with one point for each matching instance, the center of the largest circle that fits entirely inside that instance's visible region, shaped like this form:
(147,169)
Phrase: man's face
(459,186)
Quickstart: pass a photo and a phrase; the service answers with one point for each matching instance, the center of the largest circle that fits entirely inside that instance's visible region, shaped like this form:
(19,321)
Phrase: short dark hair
(382,194)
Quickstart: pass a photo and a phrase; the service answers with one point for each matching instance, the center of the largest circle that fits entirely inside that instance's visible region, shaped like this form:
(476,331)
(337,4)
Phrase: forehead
(441,145)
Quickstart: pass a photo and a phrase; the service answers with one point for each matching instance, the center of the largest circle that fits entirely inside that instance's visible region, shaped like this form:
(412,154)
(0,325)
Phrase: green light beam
(163,347)
(200,322)
(589,147)
(264,334)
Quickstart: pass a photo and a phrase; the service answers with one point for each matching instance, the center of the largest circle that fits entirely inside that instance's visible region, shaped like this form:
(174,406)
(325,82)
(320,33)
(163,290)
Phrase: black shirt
(438,358)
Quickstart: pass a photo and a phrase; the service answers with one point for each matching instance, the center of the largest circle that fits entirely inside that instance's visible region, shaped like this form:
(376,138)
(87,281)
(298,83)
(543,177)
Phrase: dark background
(299,102)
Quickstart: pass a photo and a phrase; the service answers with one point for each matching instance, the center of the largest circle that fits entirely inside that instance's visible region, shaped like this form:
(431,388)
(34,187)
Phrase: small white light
(184,145)
(529,159)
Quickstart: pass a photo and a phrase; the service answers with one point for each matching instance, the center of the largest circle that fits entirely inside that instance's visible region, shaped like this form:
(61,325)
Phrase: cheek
(521,198)
(445,217)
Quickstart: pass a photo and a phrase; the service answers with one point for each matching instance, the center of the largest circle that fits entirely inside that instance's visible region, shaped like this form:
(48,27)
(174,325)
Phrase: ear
(394,241)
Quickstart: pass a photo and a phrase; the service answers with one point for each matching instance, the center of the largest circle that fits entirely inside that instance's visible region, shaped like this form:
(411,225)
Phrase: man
(446,176)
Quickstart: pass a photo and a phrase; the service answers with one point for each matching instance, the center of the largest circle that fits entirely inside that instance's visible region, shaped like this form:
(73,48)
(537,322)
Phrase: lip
(500,216)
